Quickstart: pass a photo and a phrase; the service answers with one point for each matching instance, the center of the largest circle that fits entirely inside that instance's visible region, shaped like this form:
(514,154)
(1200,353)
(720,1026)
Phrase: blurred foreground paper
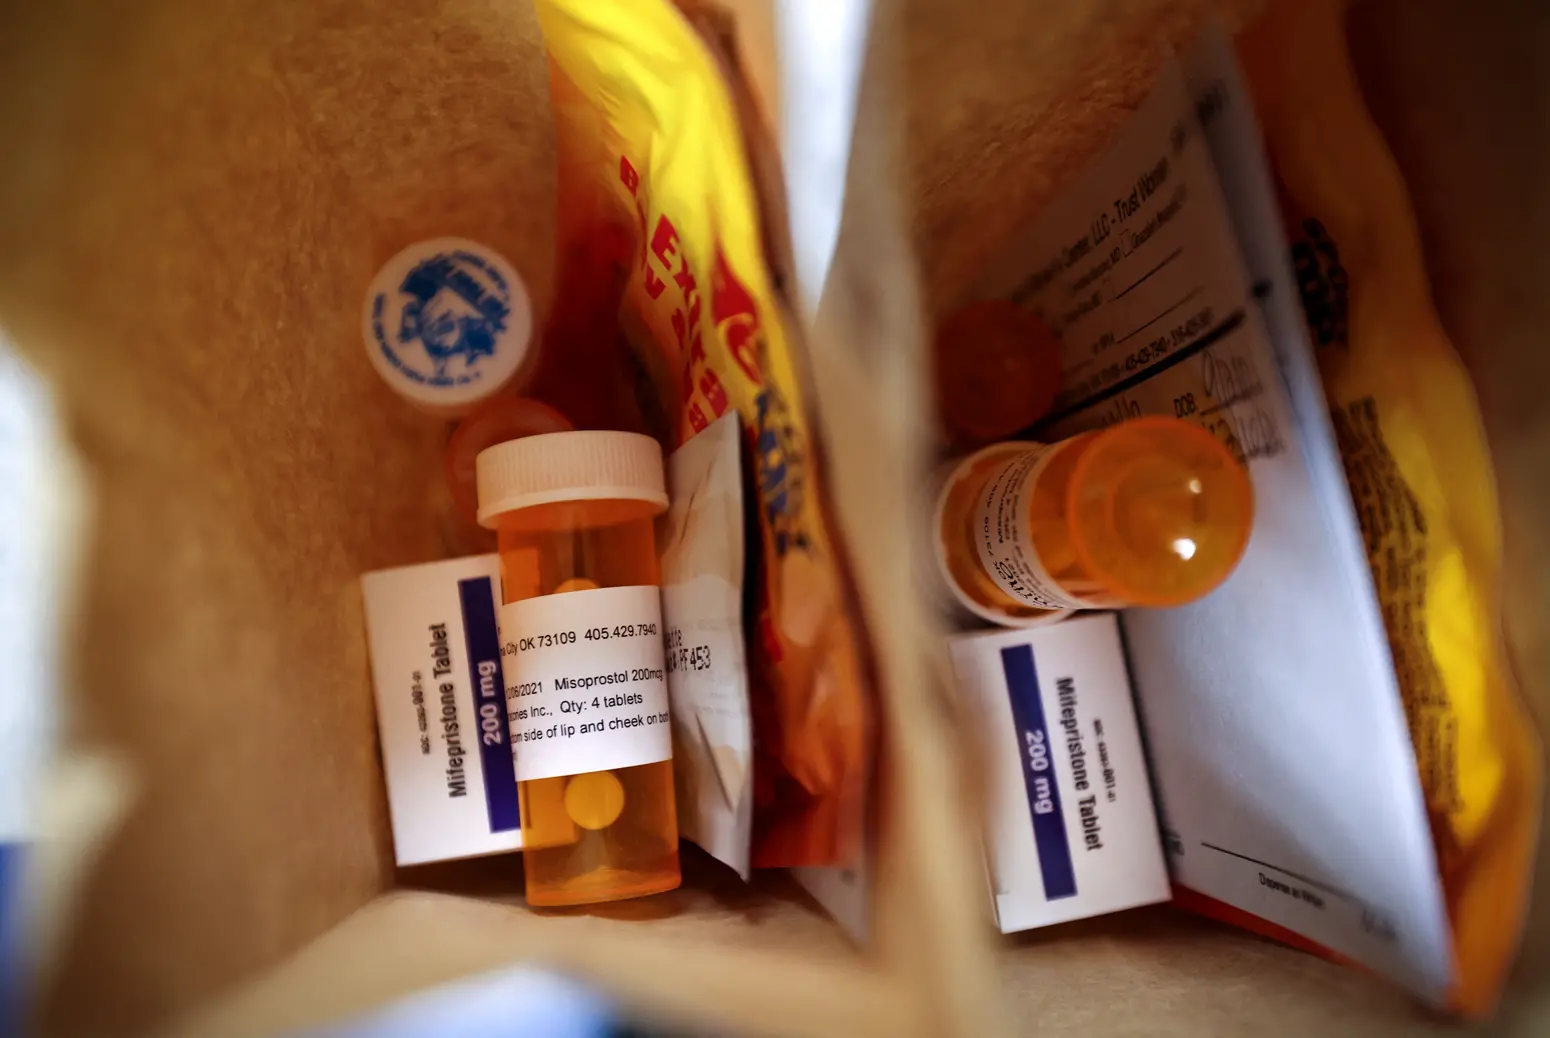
(510,1004)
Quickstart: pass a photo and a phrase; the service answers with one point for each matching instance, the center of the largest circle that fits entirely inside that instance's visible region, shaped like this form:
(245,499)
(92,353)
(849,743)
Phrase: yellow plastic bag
(653,173)
(1415,456)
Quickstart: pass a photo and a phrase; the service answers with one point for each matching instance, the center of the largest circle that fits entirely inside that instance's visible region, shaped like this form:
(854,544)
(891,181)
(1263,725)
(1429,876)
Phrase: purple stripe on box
(489,691)
(1049,822)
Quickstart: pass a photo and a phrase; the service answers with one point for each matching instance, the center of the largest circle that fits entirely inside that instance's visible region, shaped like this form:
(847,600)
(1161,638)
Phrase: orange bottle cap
(1160,511)
(997,367)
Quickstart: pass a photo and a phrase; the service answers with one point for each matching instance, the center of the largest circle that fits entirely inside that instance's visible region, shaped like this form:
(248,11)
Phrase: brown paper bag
(192,201)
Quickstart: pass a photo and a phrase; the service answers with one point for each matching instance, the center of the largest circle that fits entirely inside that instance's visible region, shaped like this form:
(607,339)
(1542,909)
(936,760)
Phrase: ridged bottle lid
(568,466)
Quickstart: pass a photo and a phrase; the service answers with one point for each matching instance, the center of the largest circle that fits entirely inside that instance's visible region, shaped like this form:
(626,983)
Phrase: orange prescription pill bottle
(582,653)
(1150,512)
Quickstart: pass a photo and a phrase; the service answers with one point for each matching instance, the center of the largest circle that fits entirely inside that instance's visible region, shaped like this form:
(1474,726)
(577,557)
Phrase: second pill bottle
(1150,512)
(582,652)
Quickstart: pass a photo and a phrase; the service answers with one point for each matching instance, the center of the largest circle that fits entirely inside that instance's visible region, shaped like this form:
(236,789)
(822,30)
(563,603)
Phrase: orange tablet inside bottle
(1150,512)
(582,654)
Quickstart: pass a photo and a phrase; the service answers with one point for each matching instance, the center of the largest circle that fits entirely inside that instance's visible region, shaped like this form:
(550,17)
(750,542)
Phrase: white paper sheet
(1280,754)
(822,51)
(701,540)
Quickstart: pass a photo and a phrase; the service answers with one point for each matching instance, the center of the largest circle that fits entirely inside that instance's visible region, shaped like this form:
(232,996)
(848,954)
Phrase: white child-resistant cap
(447,322)
(569,466)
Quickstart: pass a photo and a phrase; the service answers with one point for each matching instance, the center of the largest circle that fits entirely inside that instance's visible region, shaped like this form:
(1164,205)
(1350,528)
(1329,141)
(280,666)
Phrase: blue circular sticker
(447,322)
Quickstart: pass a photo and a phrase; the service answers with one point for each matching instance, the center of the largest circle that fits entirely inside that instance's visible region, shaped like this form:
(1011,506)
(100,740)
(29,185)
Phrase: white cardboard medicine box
(441,709)
(1071,830)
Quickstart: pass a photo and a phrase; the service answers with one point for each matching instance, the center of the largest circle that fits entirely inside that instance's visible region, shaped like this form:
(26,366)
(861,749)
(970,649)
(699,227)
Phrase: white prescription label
(585,688)
(1003,536)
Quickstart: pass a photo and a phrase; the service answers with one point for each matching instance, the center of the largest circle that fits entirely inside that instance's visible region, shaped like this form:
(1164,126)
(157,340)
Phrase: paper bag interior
(192,201)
